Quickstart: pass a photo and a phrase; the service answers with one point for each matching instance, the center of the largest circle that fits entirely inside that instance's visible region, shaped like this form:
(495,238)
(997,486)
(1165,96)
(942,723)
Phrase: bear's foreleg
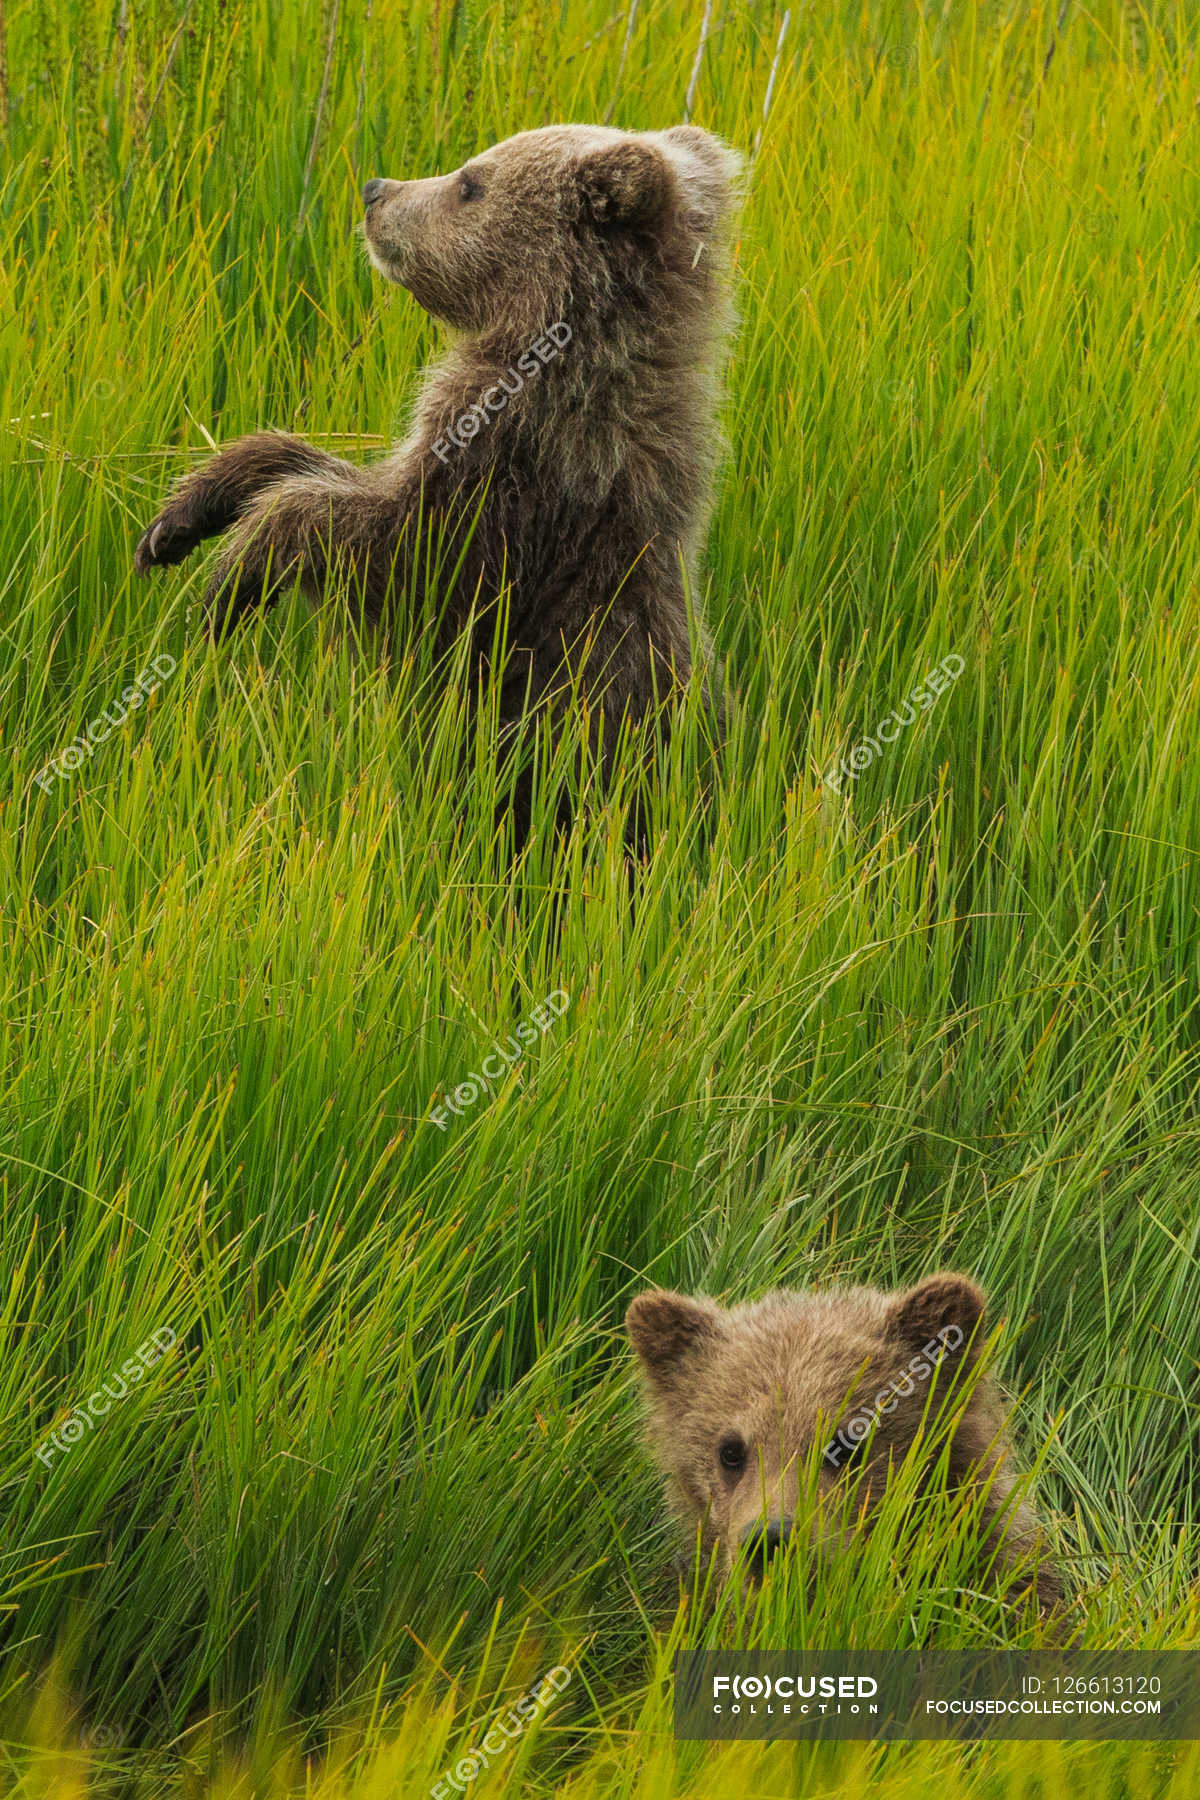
(216,495)
(306,530)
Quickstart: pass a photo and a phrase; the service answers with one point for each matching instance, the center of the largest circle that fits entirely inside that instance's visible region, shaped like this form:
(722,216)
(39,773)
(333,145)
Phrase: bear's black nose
(760,1542)
(373,192)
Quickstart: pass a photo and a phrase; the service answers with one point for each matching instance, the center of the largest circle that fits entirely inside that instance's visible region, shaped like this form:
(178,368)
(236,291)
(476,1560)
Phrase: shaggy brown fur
(738,1399)
(578,479)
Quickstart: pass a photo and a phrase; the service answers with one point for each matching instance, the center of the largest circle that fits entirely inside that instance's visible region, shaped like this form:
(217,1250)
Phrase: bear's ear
(710,173)
(948,1308)
(625,184)
(664,1328)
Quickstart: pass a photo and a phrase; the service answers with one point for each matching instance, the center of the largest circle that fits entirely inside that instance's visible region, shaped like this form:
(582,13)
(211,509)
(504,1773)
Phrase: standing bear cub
(561,453)
(741,1400)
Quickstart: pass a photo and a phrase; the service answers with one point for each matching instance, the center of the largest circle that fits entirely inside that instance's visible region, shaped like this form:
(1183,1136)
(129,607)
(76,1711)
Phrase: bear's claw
(162,543)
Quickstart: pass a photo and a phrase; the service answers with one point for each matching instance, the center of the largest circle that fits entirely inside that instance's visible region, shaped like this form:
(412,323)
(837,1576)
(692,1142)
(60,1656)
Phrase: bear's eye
(732,1454)
(468,187)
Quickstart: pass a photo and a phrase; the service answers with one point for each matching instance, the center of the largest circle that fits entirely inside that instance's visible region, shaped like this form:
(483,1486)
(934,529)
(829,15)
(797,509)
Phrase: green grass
(391,1474)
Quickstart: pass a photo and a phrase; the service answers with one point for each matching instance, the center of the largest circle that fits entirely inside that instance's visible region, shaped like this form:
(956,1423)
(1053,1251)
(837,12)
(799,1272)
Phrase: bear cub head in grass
(743,1400)
(570,217)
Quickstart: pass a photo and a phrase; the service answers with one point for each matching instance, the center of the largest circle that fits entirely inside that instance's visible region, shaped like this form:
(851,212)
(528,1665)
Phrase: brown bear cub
(740,1399)
(560,454)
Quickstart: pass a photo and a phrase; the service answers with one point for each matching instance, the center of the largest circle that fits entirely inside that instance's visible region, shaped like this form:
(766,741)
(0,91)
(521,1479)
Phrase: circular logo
(102,1737)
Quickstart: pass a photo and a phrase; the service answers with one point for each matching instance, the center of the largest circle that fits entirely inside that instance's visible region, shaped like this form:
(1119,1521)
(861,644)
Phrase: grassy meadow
(941,1012)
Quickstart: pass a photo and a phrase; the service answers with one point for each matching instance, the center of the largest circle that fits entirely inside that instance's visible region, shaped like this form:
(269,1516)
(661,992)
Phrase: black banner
(1131,1694)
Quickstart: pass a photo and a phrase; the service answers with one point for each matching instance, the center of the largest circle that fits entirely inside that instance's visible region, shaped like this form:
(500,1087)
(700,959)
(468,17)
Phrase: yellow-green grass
(946,1016)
